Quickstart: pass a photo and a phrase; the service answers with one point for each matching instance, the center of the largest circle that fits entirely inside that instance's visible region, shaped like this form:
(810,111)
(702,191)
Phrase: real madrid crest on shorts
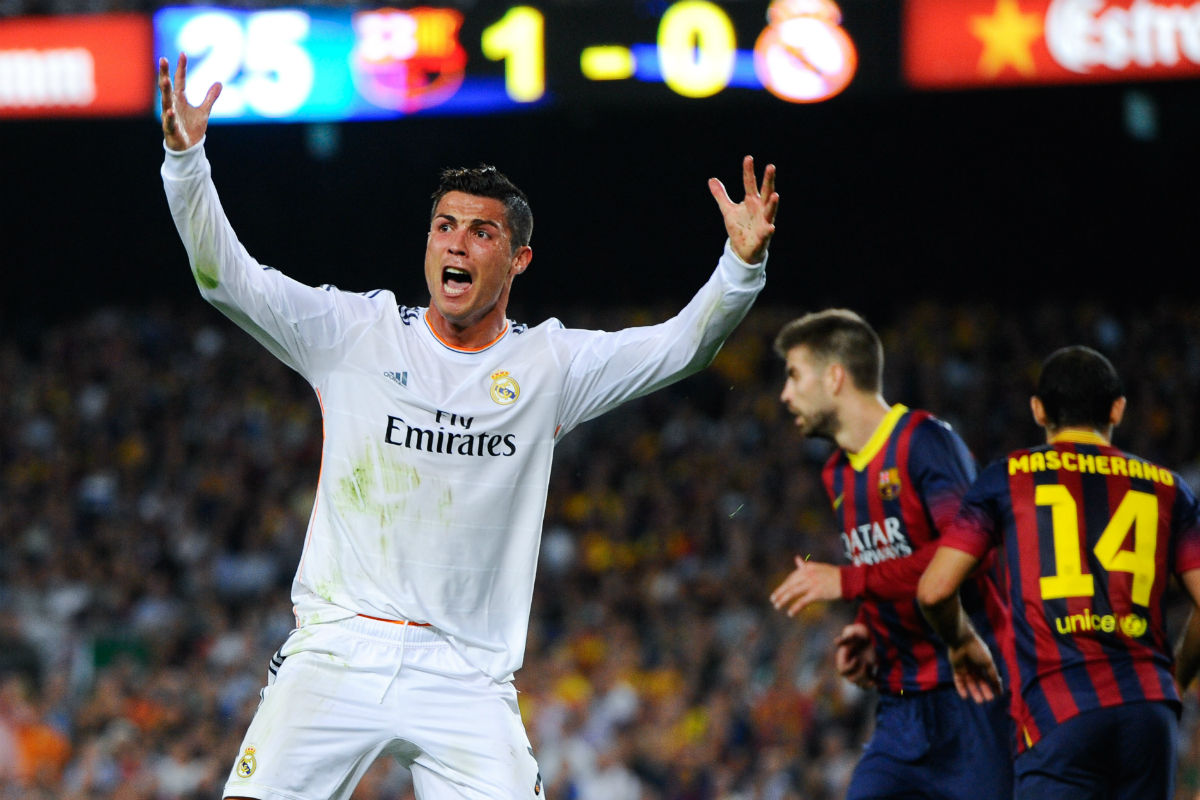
(889,483)
(247,763)
(505,389)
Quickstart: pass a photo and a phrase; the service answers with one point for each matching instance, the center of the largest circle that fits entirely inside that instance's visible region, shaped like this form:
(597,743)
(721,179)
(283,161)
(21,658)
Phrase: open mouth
(455,281)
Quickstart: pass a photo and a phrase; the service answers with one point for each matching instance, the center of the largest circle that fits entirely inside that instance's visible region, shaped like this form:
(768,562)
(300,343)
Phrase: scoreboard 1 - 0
(328,64)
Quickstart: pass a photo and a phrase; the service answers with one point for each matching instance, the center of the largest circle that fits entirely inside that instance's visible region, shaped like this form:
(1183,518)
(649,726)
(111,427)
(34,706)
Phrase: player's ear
(1117,413)
(521,259)
(835,377)
(1039,411)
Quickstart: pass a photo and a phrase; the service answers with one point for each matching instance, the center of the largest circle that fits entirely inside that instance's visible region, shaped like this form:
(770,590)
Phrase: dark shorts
(1121,753)
(936,746)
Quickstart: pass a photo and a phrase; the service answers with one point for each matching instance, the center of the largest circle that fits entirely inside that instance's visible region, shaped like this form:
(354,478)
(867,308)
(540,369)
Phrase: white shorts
(340,694)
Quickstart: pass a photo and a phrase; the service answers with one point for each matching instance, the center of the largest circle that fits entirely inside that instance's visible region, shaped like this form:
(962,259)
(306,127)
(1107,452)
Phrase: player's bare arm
(750,223)
(975,673)
(1187,653)
(810,582)
(183,124)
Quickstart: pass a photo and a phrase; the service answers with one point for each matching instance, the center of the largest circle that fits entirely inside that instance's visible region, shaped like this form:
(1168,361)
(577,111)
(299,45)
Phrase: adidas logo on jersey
(399,377)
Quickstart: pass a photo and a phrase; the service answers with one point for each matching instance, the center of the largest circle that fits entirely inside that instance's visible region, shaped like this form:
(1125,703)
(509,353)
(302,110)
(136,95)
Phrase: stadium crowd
(157,474)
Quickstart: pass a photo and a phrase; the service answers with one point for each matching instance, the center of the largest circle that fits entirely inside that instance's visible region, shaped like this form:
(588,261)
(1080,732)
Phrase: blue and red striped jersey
(1089,536)
(890,498)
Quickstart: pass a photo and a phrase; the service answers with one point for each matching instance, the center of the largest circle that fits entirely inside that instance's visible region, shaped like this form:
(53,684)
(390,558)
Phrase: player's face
(469,260)
(806,395)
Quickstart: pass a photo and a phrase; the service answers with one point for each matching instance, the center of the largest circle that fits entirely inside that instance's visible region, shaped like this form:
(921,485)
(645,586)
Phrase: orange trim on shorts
(397,621)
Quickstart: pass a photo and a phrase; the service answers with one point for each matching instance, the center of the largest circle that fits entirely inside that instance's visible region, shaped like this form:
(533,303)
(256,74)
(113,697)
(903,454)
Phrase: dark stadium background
(1002,195)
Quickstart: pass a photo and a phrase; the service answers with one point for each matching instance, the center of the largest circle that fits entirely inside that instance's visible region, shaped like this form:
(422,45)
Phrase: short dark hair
(487,181)
(1077,387)
(841,335)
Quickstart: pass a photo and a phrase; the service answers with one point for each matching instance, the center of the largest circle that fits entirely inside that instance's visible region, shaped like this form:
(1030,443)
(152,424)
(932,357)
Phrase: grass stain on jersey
(377,486)
(206,274)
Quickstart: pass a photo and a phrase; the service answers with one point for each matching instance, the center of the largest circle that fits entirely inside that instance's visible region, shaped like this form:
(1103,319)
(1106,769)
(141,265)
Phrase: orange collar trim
(465,349)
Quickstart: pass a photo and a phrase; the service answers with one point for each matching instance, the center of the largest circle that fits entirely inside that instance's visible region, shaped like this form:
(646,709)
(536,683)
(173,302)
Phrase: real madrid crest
(247,763)
(505,389)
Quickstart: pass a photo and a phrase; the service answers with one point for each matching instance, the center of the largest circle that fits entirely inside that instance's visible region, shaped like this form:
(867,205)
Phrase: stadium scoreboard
(333,63)
(323,63)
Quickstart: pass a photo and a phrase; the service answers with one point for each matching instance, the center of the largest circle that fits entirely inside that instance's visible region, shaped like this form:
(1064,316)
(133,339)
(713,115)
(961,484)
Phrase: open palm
(750,223)
(183,124)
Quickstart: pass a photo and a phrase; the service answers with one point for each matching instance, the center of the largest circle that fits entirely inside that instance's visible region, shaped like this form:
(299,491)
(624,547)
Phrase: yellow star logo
(1007,36)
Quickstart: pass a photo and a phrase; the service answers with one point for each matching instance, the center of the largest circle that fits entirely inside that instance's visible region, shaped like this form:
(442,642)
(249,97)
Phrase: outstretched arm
(183,124)
(750,223)
(813,581)
(609,368)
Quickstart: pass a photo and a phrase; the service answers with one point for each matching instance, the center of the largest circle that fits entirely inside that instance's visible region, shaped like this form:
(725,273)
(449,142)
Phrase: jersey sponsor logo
(1083,35)
(247,763)
(399,377)
(1131,625)
(505,389)
(889,483)
(872,543)
(449,442)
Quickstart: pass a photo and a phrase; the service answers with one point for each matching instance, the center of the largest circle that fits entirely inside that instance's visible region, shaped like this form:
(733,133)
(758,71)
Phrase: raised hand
(750,223)
(183,124)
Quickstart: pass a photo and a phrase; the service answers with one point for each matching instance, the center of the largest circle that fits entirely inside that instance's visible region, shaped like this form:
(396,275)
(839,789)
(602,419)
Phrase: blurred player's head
(1078,388)
(838,335)
(487,181)
(812,346)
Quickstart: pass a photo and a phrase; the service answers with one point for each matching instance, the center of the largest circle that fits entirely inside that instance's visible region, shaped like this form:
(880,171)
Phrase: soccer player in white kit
(413,593)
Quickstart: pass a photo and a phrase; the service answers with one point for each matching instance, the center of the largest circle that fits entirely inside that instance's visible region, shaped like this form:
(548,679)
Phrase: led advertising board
(956,44)
(75,66)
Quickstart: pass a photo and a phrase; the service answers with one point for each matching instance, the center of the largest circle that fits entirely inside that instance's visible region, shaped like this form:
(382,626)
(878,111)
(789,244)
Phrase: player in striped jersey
(897,477)
(1087,536)
(414,588)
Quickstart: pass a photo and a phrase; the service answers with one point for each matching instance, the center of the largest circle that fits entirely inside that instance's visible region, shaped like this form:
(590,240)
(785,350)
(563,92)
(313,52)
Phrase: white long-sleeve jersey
(436,460)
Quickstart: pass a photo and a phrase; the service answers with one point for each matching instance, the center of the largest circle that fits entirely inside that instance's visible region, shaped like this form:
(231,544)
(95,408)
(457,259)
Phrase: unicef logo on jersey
(505,389)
